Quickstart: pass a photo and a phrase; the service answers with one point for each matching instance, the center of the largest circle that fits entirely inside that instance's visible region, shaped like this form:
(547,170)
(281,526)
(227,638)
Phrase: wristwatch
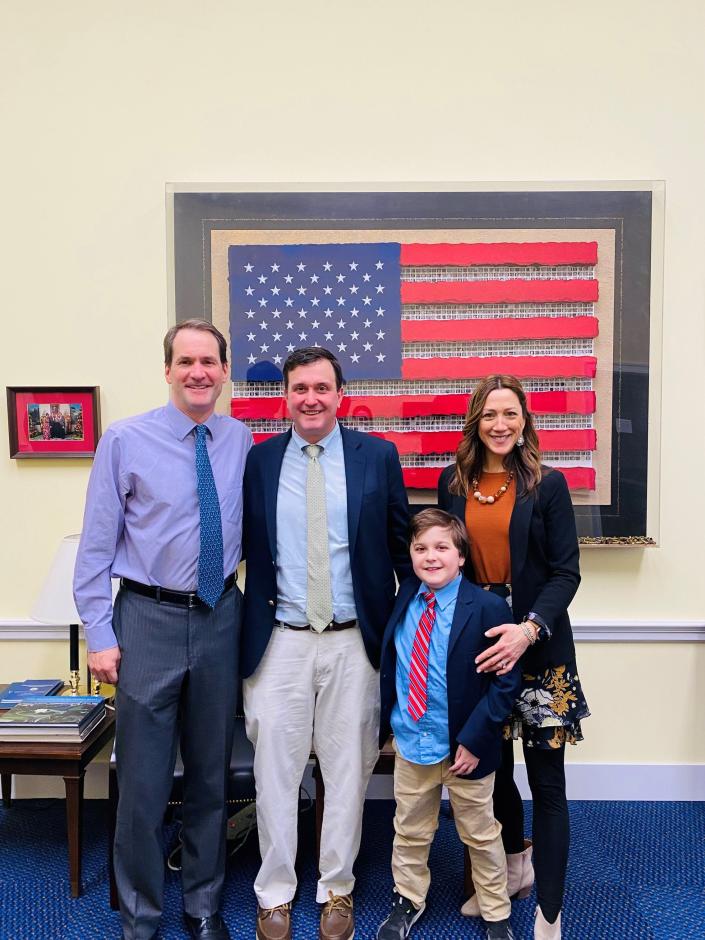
(542,631)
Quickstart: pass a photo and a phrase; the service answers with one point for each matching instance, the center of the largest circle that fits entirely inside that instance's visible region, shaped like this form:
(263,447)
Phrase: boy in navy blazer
(446,720)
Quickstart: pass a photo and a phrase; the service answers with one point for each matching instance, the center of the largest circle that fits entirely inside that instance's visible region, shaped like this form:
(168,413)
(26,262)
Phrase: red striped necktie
(418,670)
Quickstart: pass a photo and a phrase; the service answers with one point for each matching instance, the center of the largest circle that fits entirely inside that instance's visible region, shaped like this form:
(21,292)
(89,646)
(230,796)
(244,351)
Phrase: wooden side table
(54,759)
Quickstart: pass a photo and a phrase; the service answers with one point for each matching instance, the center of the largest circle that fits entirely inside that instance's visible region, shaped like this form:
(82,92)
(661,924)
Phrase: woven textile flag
(415,327)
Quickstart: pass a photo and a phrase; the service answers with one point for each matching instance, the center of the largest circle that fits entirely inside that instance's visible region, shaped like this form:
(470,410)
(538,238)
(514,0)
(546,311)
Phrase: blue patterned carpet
(637,872)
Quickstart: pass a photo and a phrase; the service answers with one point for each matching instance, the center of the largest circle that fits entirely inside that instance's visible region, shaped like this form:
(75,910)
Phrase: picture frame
(209,227)
(46,422)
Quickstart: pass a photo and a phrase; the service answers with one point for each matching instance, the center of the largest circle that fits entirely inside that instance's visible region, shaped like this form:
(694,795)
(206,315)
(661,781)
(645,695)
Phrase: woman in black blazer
(524,547)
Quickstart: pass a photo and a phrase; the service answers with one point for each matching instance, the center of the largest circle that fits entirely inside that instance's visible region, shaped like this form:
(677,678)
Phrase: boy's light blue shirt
(424,741)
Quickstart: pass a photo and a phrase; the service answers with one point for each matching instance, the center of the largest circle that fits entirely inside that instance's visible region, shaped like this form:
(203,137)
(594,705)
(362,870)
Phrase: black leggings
(551,827)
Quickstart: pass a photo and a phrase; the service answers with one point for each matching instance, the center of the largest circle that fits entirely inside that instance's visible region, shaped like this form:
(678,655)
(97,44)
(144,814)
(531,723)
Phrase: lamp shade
(54,603)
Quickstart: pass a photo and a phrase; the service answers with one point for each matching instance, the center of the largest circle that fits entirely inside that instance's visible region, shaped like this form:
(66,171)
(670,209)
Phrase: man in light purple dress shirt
(173,658)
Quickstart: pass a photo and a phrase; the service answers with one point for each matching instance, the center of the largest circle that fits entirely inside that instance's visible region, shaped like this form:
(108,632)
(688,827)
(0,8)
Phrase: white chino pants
(318,689)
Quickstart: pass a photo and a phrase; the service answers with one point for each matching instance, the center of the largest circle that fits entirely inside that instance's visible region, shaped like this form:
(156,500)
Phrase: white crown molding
(585,631)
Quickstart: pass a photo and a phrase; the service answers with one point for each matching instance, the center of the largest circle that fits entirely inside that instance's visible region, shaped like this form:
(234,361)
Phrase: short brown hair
(194,324)
(308,355)
(428,518)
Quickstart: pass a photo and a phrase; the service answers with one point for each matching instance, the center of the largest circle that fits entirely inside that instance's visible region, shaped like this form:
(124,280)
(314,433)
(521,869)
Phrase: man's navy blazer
(478,703)
(378,520)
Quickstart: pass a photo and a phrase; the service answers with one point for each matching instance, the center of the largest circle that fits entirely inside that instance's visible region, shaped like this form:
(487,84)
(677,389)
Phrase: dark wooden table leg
(74,820)
(6,789)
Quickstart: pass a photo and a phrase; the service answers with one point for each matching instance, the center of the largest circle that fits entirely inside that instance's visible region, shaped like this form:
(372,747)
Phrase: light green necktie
(319,600)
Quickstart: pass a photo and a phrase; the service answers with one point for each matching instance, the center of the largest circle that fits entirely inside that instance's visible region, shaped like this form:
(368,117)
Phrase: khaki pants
(417,790)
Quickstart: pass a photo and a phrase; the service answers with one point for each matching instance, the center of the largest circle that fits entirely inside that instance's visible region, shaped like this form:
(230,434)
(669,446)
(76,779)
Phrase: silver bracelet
(526,630)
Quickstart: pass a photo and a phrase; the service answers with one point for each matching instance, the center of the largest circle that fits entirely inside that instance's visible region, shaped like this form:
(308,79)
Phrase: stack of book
(29,688)
(60,719)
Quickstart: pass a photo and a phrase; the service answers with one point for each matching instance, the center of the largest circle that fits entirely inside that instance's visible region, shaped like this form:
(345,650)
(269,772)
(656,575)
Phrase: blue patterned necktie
(210,556)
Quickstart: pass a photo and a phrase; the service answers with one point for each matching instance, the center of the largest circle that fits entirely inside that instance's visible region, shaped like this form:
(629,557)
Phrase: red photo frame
(53,421)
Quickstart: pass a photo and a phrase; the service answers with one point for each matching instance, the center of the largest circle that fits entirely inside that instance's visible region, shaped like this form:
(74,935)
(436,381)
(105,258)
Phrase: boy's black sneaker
(499,930)
(401,919)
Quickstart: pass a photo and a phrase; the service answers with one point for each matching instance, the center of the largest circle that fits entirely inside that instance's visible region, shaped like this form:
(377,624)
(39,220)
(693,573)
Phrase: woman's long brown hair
(524,461)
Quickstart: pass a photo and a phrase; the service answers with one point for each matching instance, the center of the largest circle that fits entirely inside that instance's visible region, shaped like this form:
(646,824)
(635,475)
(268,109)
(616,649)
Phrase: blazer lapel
(519,526)
(407,590)
(462,616)
(354,484)
(272,470)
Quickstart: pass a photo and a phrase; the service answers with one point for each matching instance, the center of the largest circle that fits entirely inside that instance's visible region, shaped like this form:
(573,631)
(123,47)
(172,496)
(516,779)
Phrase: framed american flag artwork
(423,290)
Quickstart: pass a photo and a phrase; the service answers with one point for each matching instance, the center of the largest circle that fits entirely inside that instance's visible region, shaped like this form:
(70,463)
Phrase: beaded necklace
(498,495)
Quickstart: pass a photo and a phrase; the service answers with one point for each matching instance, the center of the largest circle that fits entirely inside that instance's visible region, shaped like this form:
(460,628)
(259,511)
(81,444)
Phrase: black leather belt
(165,596)
(333,625)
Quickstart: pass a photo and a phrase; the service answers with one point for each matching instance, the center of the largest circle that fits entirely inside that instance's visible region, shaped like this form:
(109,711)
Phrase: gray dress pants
(177,684)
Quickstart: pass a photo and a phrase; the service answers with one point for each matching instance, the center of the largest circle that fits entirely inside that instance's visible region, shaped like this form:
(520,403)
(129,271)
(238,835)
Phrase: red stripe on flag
(579,403)
(500,253)
(498,292)
(414,406)
(402,406)
(446,442)
(567,438)
(253,408)
(426,478)
(500,329)
(478,367)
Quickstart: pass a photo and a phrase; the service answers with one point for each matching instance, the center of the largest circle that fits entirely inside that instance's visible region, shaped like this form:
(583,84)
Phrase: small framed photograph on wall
(53,421)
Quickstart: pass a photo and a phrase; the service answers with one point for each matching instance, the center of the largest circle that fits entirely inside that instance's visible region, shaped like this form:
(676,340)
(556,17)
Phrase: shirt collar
(182,425)
(444,595)
(324,442)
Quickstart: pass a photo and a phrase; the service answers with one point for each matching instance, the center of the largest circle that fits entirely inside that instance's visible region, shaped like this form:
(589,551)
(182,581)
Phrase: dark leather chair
(241,789)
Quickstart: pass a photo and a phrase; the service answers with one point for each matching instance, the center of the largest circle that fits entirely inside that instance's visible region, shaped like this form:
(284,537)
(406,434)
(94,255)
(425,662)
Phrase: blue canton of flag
(343,297)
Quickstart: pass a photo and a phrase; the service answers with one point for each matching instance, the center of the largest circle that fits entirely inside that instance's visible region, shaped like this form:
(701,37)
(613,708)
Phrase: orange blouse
(488,528)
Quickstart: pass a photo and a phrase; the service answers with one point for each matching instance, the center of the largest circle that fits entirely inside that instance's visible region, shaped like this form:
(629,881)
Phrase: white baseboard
(661,782)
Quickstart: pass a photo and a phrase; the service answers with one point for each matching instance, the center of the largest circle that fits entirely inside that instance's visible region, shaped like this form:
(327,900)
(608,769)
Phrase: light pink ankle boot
(520,879)
(545,931)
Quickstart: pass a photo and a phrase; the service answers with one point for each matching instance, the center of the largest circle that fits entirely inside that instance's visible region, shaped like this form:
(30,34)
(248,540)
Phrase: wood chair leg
(6,789)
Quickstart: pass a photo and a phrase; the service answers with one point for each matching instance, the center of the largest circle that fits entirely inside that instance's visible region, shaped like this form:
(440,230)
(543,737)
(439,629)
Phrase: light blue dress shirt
(424,741)
(142,517)
(291,530)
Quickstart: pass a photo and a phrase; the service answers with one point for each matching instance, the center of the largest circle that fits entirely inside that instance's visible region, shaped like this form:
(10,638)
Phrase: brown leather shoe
(274,923)
(337,918)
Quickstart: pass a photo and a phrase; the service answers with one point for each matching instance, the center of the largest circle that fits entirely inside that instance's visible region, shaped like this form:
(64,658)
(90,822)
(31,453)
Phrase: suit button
(271,603)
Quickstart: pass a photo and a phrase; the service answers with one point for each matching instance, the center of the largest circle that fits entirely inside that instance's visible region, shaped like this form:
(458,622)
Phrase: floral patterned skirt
(549,709)
(550,706)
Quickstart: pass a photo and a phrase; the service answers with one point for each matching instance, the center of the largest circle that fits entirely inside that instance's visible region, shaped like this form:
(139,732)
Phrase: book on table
(67,718)
(29,688)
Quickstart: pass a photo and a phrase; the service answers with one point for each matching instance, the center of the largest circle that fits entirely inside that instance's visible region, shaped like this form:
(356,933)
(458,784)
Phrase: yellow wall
(102,104)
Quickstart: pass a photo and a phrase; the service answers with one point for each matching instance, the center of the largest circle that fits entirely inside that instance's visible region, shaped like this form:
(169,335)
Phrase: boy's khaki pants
(417,790)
